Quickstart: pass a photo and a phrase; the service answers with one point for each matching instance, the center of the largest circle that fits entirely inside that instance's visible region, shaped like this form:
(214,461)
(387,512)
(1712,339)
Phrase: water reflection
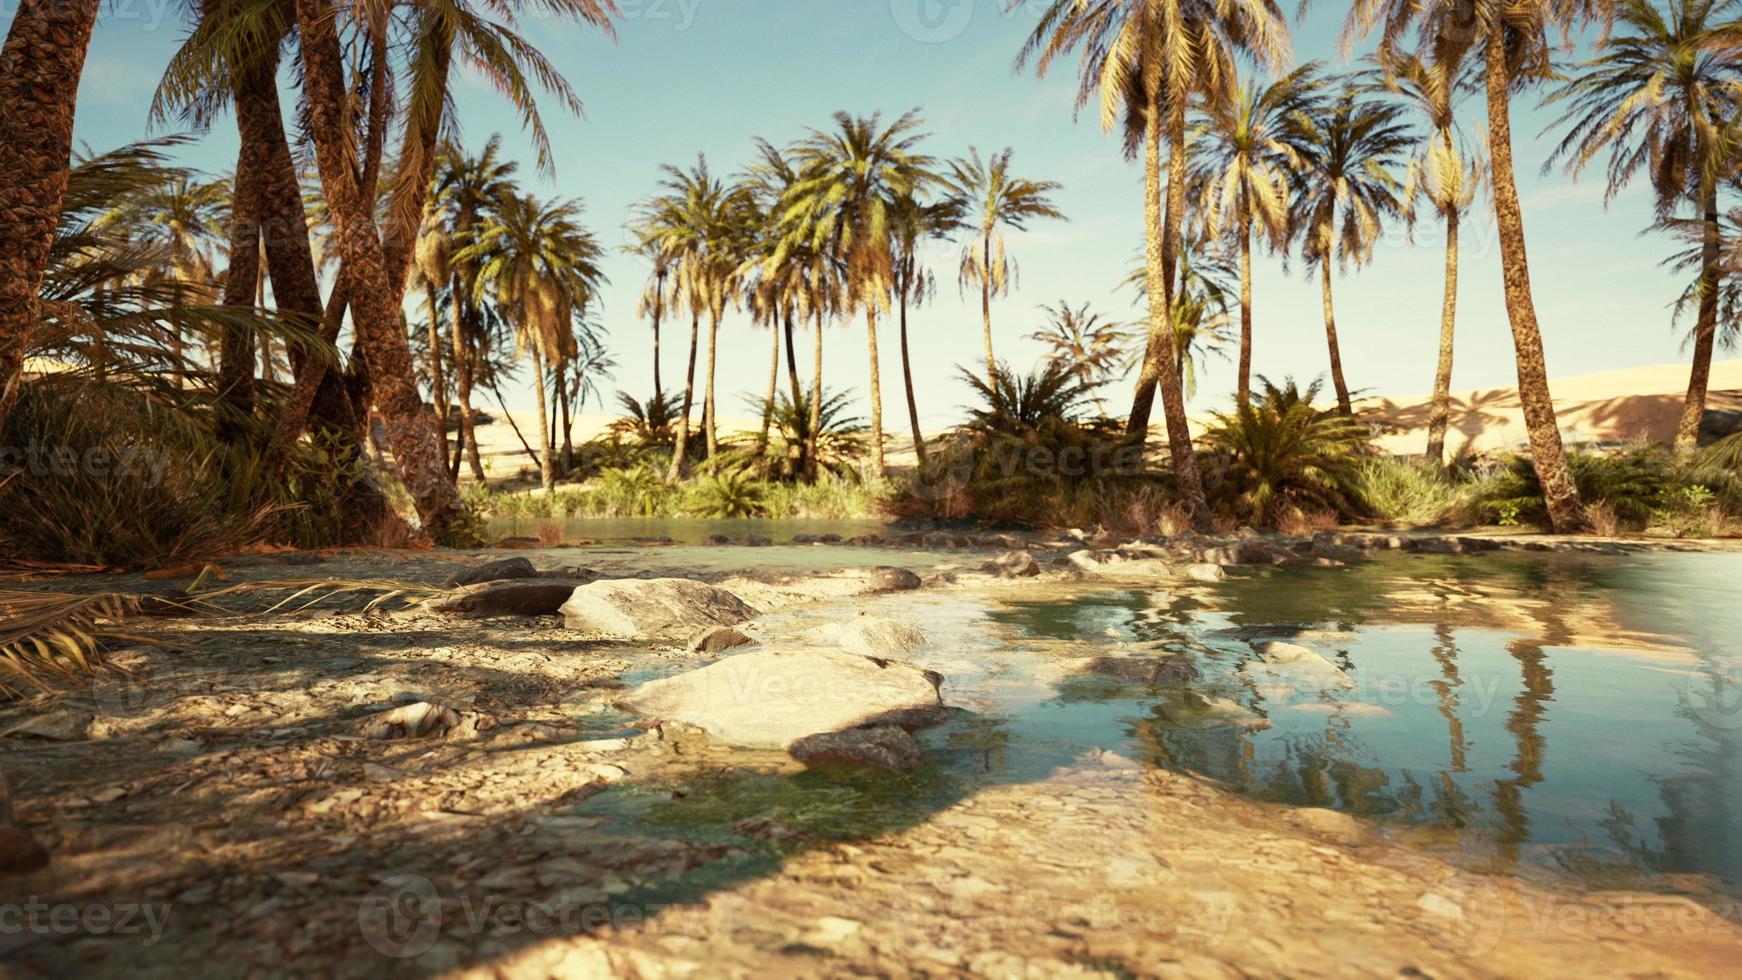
(1538,708)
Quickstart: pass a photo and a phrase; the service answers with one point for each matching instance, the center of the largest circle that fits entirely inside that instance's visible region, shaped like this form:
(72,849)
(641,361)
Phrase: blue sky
(689,76)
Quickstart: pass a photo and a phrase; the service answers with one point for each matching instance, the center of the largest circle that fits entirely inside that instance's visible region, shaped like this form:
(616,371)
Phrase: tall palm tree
(991,200)
(40,66)
(1514,38)
(1091,347)
(1345,189)
(1244,161)
(469,188)
(1658,96)
(914,222)
(652,303)
(1449,172)
(1143,60)
(541,265)
(851,179)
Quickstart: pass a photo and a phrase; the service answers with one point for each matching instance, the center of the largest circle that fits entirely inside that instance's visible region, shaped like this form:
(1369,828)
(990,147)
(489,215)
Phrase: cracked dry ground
(231,785)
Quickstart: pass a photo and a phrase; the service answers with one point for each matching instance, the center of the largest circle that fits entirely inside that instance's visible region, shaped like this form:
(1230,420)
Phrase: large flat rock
(765,699)
(664,608)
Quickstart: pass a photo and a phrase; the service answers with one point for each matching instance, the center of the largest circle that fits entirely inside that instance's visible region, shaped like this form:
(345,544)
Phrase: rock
(1015,564)
(757,541)
(1261,552)
(1092,561)
(424,719)
(1440,546)
(870,636)
(1200,710)
(510,597)
(805,539)
(1295,660)
(633,609)
(496,571)
(1145,670)
(1205,573)
(887,578)
(518,543)
(19,852)
(65,725)
(719,639)
(865,540)
(884,747)
(763,699)
(1332,551)
(718,540)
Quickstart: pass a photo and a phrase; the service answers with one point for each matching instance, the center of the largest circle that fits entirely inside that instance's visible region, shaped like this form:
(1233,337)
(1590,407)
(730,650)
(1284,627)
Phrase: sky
(706,76)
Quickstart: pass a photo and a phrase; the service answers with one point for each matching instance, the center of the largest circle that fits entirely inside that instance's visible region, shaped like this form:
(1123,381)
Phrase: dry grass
(53,637)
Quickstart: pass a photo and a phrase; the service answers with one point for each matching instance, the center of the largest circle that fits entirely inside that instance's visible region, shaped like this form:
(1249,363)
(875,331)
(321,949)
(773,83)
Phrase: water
(1578,711)
(1508,710)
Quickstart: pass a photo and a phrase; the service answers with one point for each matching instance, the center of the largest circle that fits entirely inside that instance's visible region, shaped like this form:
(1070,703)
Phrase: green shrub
(1412,492)
(1279,455)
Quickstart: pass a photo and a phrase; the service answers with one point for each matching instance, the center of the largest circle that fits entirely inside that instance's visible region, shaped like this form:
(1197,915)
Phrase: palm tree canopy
(1242,155)
(1346,186)
(1656,97)
(990,199)
(541,264)
(1447,168)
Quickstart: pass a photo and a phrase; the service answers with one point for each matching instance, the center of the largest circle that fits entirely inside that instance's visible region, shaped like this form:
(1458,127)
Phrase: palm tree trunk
(710,412)
(40,66)
(768,402)
(1160,370)
(1687,433)
(813,431)
(465,368)
(907,380)
(1440,414)
(1566,513)
(566,401)
(658,314)
(1244,394)
(876,390)
(438,384)
(547,451)
(374,303)
(236,359)
(1344,404)
(986,304)
(792,364)
(689,394)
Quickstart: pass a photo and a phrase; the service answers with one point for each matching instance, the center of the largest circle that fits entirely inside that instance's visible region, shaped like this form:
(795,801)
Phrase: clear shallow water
(1517,710)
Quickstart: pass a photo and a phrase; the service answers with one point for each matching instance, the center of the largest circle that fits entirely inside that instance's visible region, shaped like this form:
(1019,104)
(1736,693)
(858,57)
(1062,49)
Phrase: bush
(1638,488)
(1279,457)
(1412,492)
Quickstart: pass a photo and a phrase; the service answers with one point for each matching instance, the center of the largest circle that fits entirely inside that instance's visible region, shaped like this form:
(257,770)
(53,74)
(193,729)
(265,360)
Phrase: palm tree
(913,223)
(1516,49)
(1203,295)
(1243,184)
(843,203)
(1144,60)
(991,200)
(40,66)
(541,265)
(1091,347)
(1449,173)
(468,190)
(1658,97)
(653,300)
(1345,189)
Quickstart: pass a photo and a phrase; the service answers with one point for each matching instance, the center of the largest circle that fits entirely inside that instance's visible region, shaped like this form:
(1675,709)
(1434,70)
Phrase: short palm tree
(1658,96)
(1346,188)
(1143,61)
(916,221)
(850,180)
(991,200)
(541,265)
(1280,454)
(1448,171)
(1243,162)
(1089,345)
(1516,40)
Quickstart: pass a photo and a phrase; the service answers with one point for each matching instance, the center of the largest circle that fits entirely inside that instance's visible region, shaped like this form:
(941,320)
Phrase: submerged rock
(1206,573)
(764,699)
(888,578)
(883,747)
(1201,710)
(1145,670)
(496,571)
(1277,658)
(1014,564)
(719,639)
(870,636)
(633,609)
(510,597)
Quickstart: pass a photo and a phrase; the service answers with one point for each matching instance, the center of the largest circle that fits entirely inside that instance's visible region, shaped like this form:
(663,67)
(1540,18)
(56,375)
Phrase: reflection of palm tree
(1446,653)
(1525,723)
